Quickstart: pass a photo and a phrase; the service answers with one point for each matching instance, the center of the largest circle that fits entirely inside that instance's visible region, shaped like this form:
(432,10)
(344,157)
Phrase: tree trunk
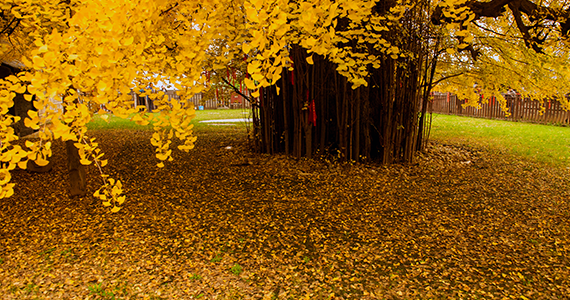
(378,122)
(76,171)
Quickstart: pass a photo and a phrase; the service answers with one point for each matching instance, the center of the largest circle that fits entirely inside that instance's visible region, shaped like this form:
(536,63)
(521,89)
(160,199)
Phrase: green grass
(101,293)
(540,143)
(212,114)
(236,269)
(217,258)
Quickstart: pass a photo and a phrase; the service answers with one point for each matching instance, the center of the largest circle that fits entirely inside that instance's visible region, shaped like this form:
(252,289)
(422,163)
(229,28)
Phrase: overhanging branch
(535,13)
(238,91)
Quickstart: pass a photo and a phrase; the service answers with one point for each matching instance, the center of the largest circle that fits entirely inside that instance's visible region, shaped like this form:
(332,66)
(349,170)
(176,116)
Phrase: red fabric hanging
(292,78)
(447,96)
(312,113)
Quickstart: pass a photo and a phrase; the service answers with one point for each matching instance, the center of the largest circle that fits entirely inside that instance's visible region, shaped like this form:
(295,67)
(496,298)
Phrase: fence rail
(520,109)
(235,101)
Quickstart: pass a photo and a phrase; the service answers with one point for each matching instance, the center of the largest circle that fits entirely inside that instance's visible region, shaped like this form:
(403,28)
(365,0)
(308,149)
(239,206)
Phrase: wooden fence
(549,112)
(199,101)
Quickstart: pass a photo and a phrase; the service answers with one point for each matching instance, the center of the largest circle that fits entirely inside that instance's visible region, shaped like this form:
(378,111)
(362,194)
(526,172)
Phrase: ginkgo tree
(391,54)
(345,75)
(505,52)
(88,54)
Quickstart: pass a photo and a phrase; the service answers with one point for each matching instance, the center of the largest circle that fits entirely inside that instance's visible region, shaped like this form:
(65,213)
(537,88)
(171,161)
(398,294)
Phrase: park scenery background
(483,213)
(279,149)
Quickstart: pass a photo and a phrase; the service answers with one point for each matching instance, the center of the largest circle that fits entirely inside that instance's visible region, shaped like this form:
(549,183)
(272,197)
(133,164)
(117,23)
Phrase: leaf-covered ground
(223,223)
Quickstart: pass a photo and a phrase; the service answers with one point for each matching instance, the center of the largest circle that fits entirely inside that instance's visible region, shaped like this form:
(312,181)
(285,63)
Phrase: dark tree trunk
(76,171)
(379,122)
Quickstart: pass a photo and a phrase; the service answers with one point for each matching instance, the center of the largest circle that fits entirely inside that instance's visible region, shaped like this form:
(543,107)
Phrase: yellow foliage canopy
(92,53)
(490,55)
(88,54)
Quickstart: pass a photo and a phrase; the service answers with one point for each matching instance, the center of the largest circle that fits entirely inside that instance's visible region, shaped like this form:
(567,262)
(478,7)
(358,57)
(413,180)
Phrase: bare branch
(237,90)
(445,78)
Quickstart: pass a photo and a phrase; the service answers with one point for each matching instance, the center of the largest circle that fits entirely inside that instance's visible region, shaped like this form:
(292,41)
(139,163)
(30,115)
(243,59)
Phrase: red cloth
(312,113)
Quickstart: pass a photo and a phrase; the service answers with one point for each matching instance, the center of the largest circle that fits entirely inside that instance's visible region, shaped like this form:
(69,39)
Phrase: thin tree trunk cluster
(379,122)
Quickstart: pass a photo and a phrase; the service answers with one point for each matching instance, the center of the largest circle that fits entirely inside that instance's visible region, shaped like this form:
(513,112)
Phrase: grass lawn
(201,115)
(540,143)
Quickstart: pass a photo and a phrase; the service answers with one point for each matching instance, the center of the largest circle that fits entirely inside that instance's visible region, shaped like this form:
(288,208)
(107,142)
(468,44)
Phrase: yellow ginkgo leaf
(246,47)
(127,41)
(20,89)
(101,85)
(23,164)
(43,48)
(9,191)
(121,199)
(249,84)
(38,62)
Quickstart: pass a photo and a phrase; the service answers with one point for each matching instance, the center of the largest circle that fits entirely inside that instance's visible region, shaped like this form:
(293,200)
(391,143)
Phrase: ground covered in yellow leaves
(223,223)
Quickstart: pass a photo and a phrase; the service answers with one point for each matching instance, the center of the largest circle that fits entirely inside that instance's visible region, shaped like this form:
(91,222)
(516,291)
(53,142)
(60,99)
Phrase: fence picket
(521,109)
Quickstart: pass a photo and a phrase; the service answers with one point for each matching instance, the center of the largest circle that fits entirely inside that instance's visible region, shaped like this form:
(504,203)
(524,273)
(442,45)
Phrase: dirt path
(221,223)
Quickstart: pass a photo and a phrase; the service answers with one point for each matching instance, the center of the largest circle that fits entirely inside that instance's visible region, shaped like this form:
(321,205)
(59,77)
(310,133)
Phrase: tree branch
(9,29)
(535,13)
(166,11)
(237,90)
(445,78)
(493,9)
